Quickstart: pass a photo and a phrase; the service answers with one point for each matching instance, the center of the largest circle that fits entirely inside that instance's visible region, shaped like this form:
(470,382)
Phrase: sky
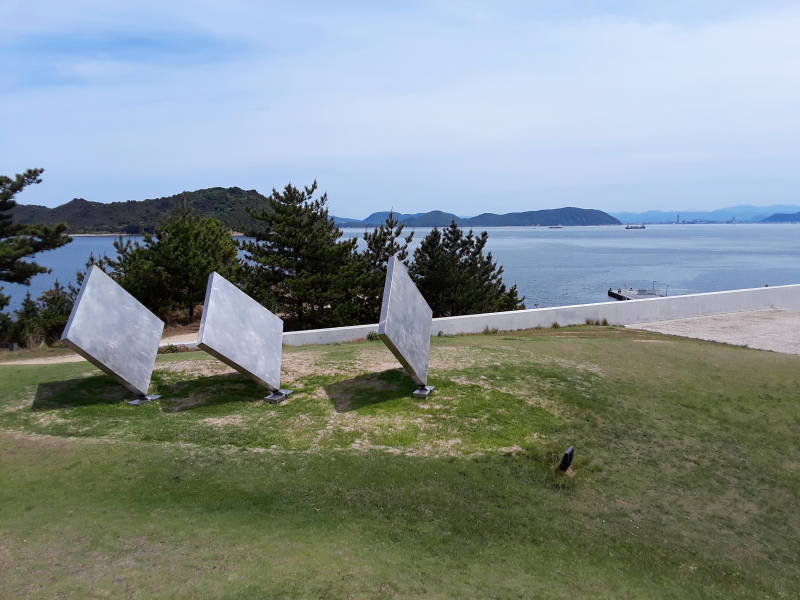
(466,107)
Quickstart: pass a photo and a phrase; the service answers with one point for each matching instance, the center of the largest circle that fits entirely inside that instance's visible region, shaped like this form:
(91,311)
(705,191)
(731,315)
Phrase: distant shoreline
(106,234)
(408,226)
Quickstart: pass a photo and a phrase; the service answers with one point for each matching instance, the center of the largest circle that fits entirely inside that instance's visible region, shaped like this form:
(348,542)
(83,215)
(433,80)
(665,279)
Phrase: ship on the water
(635,226)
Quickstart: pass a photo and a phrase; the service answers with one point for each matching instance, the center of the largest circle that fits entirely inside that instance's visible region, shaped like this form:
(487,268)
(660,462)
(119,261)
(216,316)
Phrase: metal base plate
(423,391)
(143,399)
(278,397)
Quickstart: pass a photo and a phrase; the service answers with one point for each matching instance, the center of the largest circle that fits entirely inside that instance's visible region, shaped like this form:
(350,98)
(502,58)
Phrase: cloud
(453,106)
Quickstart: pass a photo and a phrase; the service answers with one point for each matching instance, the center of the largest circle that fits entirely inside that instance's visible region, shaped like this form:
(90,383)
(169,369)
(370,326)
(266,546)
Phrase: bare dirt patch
(237,420)
(438,448)
(48,418)
(570,364)
(296,365)
(196,367)
(450,358)
(173,405)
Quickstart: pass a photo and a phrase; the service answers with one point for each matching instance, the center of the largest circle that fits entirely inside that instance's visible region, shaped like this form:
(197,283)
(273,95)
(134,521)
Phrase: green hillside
(685,481)
(135,216)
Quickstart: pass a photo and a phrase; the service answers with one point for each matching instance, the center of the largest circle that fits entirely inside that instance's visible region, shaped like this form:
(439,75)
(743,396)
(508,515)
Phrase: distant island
(230,205)
(568,216)
(783,218)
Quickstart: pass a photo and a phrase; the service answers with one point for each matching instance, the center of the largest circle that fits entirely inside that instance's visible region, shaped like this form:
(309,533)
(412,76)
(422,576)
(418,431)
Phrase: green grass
(686,481)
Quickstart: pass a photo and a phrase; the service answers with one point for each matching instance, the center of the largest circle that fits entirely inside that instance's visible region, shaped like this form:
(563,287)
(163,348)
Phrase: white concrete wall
(616,313)
(333,335)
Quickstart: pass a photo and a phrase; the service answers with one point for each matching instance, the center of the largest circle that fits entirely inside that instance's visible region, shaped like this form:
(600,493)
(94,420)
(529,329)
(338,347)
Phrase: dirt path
(181,338)
(44,360)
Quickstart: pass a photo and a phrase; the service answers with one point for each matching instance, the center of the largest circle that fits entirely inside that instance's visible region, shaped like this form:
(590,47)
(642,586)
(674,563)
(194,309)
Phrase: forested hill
(135,216)
(230,206)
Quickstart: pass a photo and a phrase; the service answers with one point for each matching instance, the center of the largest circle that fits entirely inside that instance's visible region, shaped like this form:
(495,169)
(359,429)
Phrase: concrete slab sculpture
(405,324)
(243,334)
(115,332)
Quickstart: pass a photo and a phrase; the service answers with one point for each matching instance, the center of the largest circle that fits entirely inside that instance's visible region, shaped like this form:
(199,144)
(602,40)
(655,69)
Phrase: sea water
(573,265)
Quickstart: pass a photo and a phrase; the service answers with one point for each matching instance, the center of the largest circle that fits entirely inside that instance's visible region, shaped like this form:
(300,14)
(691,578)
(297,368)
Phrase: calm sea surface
(577,265)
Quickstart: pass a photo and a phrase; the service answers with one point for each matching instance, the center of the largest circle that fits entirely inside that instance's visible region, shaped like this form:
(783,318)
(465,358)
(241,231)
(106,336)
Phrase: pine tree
(55,306)
(297,266)
(19,241)
(383,242)
(25,329)
(457,278)
(186,248)
(169,269)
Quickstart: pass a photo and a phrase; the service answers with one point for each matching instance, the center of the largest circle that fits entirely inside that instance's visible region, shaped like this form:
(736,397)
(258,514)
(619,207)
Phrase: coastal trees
(382,243)
(18,241)
(456,277)
(53,309)
(297,265)
(184,250)
(42,320)
(169,269)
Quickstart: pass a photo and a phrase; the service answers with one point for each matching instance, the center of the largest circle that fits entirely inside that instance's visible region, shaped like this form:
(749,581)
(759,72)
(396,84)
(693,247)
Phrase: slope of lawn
(686,479)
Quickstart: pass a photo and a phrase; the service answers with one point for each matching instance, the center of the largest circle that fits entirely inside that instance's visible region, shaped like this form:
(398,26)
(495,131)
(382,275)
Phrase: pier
(633,294)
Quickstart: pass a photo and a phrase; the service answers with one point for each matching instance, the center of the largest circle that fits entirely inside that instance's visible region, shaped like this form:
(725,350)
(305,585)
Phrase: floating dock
(633,294)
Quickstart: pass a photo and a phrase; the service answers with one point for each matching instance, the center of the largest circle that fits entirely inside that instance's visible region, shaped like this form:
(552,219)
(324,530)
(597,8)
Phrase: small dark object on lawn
(566,461)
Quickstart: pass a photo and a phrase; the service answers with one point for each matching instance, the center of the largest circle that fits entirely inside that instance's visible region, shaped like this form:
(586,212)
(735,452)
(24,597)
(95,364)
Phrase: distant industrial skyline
(463,107)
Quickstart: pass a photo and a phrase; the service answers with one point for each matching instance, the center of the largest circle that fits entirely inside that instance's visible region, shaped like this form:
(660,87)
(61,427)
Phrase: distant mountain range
(550,217)
(230,205)
(744,214)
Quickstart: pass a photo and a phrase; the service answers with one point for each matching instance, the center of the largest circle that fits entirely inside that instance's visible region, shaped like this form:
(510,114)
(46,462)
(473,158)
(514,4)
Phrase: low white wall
(616,312)
(332,335)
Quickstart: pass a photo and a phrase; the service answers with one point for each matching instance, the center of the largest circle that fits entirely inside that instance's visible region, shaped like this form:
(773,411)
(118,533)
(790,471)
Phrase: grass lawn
(686,484)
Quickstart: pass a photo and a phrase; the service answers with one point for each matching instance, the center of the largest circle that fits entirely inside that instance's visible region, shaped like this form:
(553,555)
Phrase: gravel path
(776,330)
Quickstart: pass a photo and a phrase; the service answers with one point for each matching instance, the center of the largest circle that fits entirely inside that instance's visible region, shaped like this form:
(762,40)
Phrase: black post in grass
(566,460)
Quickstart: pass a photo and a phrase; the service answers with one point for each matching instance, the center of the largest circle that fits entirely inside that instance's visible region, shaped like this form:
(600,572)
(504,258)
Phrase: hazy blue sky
(461,106)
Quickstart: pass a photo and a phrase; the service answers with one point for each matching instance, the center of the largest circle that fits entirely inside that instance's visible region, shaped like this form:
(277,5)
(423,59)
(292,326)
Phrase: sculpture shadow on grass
(211,390)
(177,396)
(82,391)
(370,389)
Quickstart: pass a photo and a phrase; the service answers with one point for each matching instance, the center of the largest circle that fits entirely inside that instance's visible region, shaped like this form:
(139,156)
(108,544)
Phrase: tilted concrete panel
(405,323)
(114,331)
(241,333)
